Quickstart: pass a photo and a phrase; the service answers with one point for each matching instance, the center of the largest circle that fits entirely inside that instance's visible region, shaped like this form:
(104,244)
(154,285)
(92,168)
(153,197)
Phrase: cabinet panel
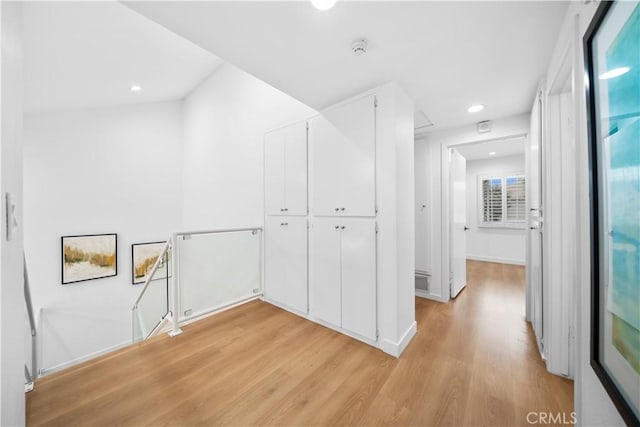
(324,270)
(358,247)
(274,143)
(296,263)
(295,163)
(342,160)
(275,245)
(286,261)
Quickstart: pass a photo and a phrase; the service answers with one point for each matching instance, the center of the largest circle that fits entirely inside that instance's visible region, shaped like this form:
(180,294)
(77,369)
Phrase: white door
(324,270)
(342,160)
(359,276)
(535,238)
(274,175)
(421,208)
(295,167)
(458,167)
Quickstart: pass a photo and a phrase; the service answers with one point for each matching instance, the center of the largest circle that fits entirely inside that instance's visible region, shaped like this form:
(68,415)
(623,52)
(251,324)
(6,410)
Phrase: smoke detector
(359,47)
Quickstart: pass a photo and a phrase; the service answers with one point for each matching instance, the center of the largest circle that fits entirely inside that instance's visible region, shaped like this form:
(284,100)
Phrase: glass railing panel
(218,269)
(153,304)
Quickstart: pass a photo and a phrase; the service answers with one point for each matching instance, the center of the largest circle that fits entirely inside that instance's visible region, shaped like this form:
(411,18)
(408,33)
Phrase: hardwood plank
(473,361)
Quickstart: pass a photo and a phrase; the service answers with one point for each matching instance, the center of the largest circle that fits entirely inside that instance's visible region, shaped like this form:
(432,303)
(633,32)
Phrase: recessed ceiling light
(475,108)
(323,4)
(616,72)
(492,153)
(135,88)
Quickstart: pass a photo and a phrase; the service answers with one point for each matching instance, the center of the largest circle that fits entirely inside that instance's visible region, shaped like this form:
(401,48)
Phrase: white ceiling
(88,54)
(447,55)
(502,148)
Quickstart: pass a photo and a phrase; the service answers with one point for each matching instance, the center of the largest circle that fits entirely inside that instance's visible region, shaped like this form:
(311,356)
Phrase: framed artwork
(89,257)
(612,58)
(144,256)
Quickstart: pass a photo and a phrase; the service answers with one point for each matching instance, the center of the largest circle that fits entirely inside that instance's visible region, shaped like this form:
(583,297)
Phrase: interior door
(536,220)
(358,247)
(295,167)
(342,159)
(274,173)
(458,172)
(324,270)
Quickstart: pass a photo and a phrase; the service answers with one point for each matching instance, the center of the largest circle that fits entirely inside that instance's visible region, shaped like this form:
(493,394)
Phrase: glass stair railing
(151,308)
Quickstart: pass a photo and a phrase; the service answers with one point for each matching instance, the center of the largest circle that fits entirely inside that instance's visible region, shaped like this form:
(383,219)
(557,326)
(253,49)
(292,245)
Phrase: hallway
(472,362)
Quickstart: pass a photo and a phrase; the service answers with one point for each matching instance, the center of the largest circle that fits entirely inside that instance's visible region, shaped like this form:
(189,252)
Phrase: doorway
(487,215)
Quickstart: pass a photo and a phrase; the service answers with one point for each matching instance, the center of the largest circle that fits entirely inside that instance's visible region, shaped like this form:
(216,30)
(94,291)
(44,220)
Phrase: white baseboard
(426,295)
(47,371)
(496,259)
(396,349)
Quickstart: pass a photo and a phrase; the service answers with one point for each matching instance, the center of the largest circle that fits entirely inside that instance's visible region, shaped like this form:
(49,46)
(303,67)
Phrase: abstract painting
(612,51)
(88,257)
(144,256)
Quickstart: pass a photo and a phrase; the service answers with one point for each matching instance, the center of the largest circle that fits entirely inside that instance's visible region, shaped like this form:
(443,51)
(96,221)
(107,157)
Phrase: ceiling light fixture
(492,153)
(616,72)
(475,108)
(323,4)
(135,88)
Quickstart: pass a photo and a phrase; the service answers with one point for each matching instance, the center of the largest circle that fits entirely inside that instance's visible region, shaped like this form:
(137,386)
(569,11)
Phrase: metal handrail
(159,261)
(227,230)
(32,323)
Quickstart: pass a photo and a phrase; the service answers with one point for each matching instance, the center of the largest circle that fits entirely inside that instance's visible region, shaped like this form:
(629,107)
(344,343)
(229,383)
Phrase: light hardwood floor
(473,362)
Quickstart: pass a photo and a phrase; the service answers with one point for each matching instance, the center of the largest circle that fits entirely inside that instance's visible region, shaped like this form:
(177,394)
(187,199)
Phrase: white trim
(427,295)
(396,349)
(496,259)
(76,361)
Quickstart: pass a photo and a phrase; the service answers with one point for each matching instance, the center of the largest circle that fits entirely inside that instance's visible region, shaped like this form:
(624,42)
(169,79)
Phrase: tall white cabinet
(339,246)
(286,223)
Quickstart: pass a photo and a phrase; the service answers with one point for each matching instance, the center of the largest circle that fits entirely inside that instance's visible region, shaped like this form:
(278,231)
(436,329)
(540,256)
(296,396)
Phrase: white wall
(12,318)
(505,245)
(225,119)
(438,236)
(106,170)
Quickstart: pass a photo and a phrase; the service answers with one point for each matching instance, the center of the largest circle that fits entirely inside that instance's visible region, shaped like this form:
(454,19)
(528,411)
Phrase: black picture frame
(597,215)
(98,252)
(134,248)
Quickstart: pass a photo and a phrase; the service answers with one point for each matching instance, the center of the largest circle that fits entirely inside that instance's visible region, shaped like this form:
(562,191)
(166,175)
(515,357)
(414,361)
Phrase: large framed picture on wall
(612,57)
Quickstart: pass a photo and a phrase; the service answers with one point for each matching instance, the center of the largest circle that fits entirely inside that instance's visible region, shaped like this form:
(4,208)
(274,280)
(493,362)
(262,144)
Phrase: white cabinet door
(286,261)
(295,262)
(275,254)
(324,270)
(274,175)
(342,160)
(295,166)
(359,277)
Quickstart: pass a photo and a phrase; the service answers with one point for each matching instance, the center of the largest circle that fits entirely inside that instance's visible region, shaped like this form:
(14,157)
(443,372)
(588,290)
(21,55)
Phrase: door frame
(446,200)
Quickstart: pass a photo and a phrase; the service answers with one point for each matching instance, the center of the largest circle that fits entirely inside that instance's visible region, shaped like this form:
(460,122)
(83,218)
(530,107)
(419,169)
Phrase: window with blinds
(503,200)
(492,200)
(515,198)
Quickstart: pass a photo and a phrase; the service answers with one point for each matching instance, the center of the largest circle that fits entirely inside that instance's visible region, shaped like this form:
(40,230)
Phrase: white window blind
(515,192)
(492,200)
(503,201)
